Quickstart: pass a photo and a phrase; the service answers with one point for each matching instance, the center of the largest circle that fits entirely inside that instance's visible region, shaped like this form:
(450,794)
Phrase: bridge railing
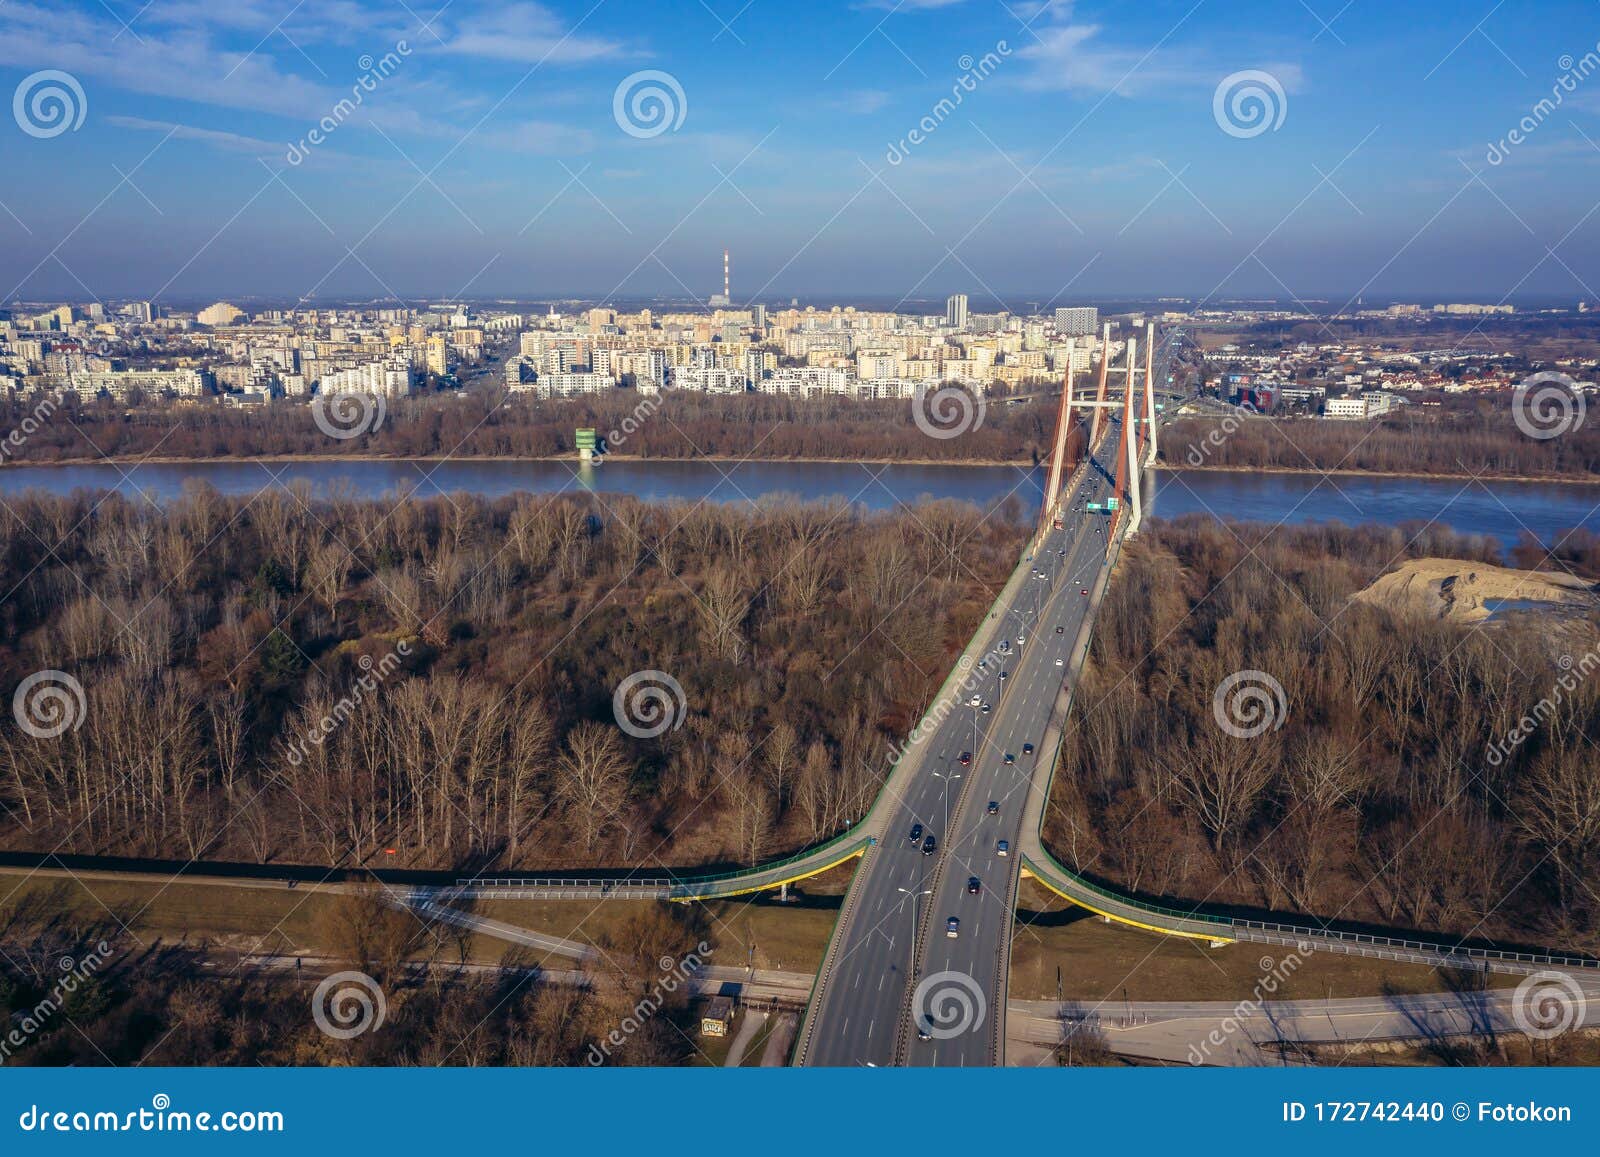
(564,882)
(847,844)
(844,844)
(1431,947)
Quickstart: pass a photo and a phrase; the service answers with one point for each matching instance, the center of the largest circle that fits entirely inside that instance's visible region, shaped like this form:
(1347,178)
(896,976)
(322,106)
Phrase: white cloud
(527,33)
(1072,55)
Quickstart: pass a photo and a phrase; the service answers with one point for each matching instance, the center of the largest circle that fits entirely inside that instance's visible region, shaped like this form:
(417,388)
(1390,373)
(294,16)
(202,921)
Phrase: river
(1501,509)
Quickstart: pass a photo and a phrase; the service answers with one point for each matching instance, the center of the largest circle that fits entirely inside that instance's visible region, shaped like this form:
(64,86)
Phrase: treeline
(678,425)
(431,683)
(1478,441)
(92,994)
(1382,786)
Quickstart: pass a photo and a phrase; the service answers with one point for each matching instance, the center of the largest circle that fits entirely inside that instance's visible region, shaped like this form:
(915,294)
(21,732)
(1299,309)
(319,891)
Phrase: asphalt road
(897,967)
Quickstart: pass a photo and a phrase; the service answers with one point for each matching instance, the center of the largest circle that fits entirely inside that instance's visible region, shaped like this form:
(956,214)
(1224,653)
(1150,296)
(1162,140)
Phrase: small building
(717,1017)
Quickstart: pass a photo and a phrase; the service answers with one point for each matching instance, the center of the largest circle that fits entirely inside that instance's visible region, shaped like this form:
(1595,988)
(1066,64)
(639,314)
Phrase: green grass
(273,919)
(1101,961)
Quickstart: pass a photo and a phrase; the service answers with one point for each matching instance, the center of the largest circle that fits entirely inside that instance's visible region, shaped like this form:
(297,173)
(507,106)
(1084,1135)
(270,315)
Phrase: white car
(975,701)
(1060,663)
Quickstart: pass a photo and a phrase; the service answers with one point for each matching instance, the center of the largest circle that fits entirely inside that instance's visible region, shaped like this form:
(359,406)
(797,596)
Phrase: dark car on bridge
(916,832)
(952,927)
(1027,749)
(974,886)
(994,805)
(929,846)
(966,758)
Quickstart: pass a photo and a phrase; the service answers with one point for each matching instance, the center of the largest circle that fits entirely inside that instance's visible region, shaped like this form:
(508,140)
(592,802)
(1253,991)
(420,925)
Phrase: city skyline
(1092,152)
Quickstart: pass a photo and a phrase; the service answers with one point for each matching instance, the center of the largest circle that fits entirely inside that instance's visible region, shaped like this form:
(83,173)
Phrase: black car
(966,759)
(929,845)
(1061,630)
(994,805)
(1027,749)
(973,886)
(916,832)
(1010,759)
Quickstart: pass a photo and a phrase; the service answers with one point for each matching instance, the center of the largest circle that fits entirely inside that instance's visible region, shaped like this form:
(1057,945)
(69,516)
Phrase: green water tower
(585,440)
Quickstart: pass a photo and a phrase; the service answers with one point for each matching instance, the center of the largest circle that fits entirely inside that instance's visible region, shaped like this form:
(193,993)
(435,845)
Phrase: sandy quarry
(1448,588)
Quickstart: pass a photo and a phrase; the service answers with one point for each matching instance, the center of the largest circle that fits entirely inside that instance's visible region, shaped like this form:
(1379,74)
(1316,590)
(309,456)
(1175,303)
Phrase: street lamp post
(913,893)
(947,779)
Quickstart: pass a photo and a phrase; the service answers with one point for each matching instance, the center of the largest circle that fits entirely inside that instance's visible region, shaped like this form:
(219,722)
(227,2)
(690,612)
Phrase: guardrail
(673,886)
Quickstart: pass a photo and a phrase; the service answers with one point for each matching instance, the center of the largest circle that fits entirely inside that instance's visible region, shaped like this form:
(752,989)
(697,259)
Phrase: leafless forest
(686,425)
(282,679)
(1381,796)
(1477,440)
(191,1004)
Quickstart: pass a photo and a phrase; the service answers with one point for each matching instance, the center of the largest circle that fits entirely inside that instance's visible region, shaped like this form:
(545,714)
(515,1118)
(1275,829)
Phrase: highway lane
(963,982)
(862,1011)
(958,1010)
(861,1017)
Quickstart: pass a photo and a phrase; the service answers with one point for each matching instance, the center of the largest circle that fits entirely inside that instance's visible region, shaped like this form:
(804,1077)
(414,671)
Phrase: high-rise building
(436,357)
(955,311)
(220,313)
(141,311)
(1077,321)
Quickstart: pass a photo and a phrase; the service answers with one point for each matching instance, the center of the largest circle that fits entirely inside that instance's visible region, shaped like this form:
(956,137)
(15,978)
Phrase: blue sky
(1089,160)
